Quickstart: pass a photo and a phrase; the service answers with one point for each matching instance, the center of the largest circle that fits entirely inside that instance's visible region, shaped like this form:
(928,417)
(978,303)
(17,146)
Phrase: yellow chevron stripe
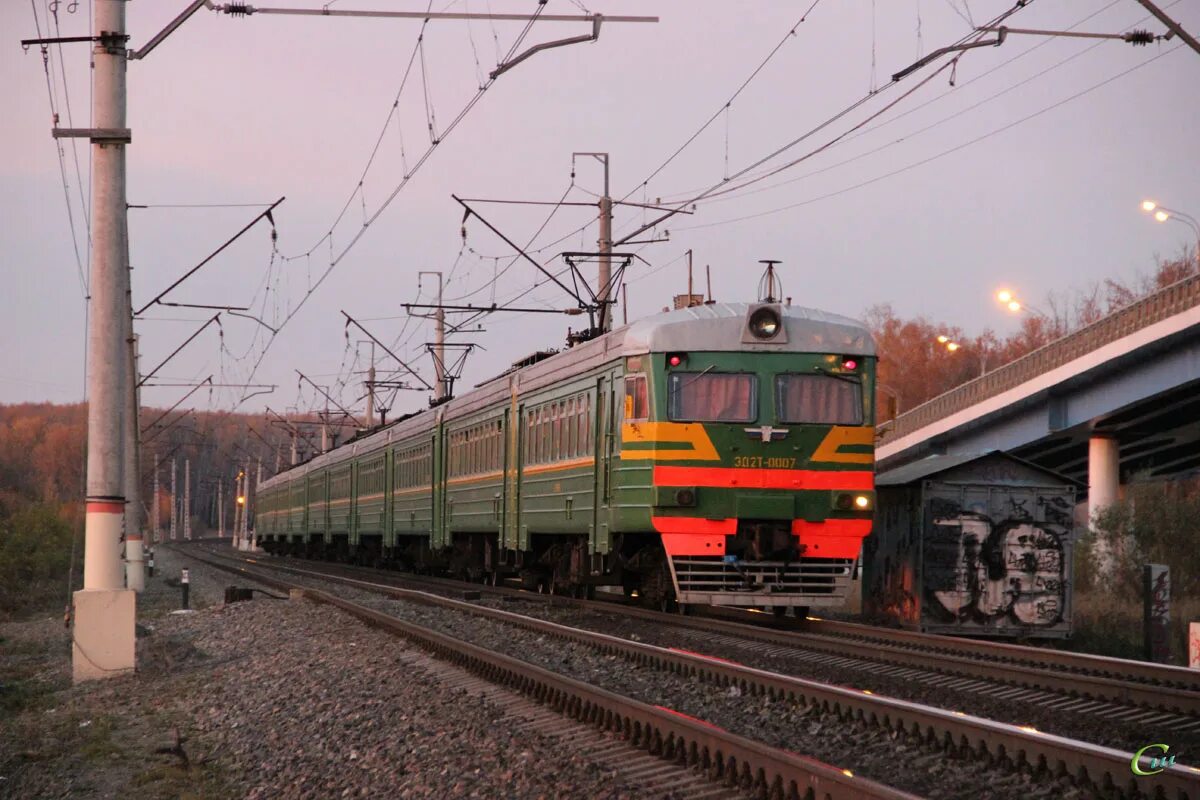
(841,436)
(668,432)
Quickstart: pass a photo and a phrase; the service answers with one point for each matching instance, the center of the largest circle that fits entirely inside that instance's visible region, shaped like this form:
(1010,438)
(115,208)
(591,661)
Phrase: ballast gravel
(869,752)
(1096,727)
(274,699)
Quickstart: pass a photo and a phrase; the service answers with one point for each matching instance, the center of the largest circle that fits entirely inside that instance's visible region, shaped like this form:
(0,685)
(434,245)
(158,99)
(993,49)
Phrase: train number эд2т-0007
(758,462)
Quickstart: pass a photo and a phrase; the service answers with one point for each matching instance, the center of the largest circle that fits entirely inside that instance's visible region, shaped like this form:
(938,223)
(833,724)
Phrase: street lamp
(1162,214)
(1009,300)
(953,347)
(948,343)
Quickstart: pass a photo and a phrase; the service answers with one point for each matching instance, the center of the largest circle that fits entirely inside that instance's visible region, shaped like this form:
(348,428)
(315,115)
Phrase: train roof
(719,326)
(713,327)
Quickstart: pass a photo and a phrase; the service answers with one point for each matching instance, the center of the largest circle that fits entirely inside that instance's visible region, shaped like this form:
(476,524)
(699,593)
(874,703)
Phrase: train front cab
(760,470)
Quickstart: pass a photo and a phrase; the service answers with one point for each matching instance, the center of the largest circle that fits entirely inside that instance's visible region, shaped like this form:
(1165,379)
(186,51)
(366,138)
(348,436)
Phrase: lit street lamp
(953,347)
(1009,300)
(1162,214)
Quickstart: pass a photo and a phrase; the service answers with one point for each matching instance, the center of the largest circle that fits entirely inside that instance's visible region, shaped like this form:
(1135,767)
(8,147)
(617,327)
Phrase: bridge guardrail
(1166,302)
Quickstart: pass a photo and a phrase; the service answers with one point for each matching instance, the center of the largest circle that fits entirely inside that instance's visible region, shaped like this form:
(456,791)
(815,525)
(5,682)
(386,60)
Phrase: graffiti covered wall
(995,558)
(978,545)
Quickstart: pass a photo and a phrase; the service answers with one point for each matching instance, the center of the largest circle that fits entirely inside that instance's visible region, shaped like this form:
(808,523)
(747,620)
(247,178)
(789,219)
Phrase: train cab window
(637,398)
(818,400)
(712,397)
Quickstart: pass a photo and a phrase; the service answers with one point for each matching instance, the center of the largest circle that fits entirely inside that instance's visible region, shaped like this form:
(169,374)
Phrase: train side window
(637,398)
(587,425)
(560,441)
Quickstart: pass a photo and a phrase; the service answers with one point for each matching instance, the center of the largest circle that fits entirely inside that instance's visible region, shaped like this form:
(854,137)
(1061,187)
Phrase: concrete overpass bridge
(1117,399)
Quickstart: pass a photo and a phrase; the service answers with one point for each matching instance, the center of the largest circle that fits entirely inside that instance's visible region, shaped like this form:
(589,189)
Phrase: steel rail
(724,756)
(1085,763)
(1148,671)
(1101,678)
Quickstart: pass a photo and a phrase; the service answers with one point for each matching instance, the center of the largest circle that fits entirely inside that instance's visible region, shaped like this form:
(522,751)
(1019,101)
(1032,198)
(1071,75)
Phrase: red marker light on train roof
(675,359)
(849,363)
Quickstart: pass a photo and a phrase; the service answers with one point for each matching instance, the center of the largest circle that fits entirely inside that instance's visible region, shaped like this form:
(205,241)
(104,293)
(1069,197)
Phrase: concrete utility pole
(257,483)
(295,453)
(605,245)
(237,509)
(187,499)
(243,530)
(174,499)
(135,575)
(440,390)
(155,531)
(370,393)
(105,611)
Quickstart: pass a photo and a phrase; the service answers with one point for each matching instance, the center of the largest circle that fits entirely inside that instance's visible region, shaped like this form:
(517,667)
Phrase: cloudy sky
(1027,172)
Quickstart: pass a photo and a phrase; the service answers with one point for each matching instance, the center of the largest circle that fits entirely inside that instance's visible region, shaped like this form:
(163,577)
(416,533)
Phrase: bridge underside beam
(1148,401)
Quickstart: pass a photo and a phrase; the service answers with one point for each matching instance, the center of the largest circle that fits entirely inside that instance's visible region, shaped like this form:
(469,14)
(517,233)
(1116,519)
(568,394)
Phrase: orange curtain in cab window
(818,399)
(712,397)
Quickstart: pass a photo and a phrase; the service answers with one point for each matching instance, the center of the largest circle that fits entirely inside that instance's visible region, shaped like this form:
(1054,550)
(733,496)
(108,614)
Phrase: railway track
(1119,690)
(751,768)
(1020,748)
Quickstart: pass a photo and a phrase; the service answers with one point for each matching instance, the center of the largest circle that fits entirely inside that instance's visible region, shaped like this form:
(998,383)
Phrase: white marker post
(184,584)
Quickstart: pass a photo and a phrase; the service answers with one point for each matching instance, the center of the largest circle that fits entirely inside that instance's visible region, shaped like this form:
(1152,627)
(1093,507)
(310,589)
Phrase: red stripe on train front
(745,478)
(697,536)
(99,507)
(694,536)
(832,538)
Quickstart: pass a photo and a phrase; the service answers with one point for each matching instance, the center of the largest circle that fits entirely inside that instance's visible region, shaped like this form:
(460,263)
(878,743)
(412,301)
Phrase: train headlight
(853,501)
(765,323)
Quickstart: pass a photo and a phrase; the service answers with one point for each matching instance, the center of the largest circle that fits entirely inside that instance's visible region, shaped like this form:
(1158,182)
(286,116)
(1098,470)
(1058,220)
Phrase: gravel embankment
(868,752)
(270,699)
(1128,736)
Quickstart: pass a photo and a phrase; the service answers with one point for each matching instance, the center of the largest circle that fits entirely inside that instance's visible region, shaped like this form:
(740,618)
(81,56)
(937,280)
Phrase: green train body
(683,457)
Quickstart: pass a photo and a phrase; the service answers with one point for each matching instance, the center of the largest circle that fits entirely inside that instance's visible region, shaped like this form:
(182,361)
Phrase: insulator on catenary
(1139,37)
(238,9)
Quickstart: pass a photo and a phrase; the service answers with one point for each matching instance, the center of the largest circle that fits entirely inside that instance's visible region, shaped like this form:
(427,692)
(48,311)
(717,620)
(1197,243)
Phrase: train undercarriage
(761,567)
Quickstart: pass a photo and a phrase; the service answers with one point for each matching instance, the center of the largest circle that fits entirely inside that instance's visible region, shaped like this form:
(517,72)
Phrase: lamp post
(1009,300)
(1162,214)
(953,347)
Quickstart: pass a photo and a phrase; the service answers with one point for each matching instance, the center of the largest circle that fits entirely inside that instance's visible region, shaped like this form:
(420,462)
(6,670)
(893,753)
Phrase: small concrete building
(975,545)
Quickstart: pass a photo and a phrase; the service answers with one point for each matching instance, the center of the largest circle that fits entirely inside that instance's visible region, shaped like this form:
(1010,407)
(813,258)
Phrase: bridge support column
(1104,474)
(1104,483)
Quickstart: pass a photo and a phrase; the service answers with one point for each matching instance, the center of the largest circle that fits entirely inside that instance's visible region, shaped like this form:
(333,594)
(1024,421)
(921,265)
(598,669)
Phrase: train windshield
(712,397)
(818,400)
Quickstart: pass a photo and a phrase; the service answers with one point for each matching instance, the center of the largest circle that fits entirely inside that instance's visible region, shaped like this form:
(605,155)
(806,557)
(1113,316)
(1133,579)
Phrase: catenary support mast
(104,609)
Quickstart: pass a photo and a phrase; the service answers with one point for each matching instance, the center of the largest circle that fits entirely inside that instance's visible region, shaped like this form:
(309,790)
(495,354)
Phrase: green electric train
(720,454)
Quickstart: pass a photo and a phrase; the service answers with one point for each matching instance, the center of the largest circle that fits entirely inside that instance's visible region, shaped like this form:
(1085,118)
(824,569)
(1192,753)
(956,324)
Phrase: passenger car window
(637,398)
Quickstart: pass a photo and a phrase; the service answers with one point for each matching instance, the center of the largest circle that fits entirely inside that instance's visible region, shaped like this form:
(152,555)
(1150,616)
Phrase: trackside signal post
(103,641)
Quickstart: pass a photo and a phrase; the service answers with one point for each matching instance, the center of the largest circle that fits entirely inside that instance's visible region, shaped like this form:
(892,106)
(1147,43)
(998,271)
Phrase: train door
(510,537)
(389,466)
(352,522)
(439,532)
(604,445)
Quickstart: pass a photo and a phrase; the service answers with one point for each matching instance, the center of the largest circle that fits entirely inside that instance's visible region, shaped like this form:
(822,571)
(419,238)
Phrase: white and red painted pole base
(103,643)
